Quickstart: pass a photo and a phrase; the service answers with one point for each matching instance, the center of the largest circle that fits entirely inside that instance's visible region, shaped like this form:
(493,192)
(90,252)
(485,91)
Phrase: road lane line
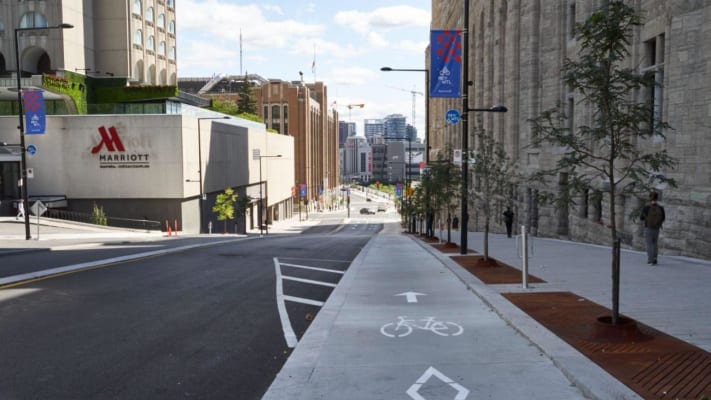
(312,282)
(289,334)
(17,280)
(314,268)
(304,301)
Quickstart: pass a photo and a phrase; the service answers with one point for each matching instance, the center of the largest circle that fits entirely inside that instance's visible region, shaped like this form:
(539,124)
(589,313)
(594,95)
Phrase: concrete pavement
(408,322)
(501,352)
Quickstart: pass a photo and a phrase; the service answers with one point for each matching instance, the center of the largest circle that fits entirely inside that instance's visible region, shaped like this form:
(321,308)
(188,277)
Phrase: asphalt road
(203,323)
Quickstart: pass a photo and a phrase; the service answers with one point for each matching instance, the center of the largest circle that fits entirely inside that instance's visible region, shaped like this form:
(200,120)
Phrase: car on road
(382,208)
(366,210)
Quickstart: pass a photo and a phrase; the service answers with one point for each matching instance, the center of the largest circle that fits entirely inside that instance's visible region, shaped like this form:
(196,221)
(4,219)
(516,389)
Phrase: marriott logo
(112,152)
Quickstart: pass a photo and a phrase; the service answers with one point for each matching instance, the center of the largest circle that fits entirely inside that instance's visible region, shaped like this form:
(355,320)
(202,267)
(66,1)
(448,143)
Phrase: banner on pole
(33,107)
(445,63)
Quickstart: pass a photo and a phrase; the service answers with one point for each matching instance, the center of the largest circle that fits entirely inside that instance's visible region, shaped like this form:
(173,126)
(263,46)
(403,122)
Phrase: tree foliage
(606,155)
(225,206)
(440,186)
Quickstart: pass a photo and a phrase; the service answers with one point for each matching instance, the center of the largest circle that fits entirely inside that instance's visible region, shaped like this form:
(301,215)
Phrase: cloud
(383,18)
(273,8)
(223,21)
(351,76)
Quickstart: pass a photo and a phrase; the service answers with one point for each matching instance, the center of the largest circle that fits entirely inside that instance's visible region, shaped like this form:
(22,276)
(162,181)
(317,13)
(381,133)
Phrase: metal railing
(111,221)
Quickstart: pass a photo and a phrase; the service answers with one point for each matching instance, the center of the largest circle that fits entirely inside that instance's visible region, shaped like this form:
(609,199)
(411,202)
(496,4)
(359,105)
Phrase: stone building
(516,51)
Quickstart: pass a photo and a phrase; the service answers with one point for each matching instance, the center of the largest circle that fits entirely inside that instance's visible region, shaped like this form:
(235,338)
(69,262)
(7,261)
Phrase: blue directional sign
(452,116)
(32,149)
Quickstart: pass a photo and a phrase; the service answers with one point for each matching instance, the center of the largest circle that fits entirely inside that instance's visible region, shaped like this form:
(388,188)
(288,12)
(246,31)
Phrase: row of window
(149,15)
(30,20)
(150,44)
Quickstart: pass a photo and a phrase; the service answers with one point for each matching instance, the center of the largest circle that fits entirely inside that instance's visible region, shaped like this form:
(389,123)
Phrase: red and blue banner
(33,107)
(302,190)
(445,63)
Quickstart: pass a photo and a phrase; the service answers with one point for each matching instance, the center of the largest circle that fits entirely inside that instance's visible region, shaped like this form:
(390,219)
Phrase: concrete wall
(154,172)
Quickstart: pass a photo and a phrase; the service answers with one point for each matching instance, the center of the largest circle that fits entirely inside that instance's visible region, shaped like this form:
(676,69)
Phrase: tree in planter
(441,184)
(605,155)
(225,206)
(98,217)
(494,175)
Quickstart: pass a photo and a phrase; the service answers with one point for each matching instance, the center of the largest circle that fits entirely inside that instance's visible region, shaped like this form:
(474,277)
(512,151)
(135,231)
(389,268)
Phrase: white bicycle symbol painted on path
(405,326)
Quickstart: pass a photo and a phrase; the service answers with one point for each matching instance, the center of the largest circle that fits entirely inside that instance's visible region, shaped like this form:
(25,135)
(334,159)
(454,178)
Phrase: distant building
(372,128)
(395,127)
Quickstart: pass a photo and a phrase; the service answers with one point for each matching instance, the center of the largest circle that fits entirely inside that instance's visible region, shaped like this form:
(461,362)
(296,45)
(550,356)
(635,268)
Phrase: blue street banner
(445,63)
(398,189)
(33,107)
(302,190)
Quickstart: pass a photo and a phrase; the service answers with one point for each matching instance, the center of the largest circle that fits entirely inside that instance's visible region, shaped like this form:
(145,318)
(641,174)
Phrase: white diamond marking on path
(413,391)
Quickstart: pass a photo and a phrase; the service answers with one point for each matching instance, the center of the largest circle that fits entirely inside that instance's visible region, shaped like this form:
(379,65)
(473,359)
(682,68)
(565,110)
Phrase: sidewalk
(502,352)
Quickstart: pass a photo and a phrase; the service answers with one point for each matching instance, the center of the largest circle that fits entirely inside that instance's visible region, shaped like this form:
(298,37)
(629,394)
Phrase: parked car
(366,210)
(382,208)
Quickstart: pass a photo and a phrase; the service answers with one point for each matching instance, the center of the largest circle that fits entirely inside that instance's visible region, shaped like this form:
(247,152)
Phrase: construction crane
(414,99)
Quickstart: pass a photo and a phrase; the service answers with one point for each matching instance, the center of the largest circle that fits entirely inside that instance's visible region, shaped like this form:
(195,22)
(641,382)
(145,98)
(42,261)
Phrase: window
(571,20)
(171,3)
(149,14)
(654,60)
(171,27)
(151,43)
(161,48)
(161,21)
(171,53)
(137,7)
(2,28)
(33,20)
(138,37)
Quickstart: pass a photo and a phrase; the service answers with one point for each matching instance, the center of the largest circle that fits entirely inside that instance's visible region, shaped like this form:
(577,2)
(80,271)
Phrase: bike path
(401,325)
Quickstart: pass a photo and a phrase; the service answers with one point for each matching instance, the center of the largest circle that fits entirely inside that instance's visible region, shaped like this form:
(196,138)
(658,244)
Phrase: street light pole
(427,130)
(427,103)
(21,125)
(261,198)
(202,192)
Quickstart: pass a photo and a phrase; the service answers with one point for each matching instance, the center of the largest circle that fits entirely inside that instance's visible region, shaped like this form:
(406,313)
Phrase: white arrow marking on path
(411,296)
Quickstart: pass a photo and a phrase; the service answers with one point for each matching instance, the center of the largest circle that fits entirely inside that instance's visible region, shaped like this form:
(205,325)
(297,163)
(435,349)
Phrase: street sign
(256,154)
(38,208)
(30,173)
(32,149)
(452,116)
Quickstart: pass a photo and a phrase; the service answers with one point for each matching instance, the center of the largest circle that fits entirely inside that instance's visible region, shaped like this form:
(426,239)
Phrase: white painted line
(304,301)
(314,268)
(312,282)
(289,334)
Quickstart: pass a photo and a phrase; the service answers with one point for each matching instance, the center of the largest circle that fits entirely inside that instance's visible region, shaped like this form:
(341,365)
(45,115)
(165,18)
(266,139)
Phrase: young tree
(495,176)
(442,186)
(225,206)
(605,154)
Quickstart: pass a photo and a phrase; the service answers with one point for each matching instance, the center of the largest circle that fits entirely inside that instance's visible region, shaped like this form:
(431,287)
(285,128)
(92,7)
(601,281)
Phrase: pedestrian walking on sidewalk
(20,209)
(653,216)
(508,220)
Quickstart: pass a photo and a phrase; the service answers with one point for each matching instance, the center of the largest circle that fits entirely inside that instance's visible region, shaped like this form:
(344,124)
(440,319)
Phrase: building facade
(155,167)
(133,39)
(516,50)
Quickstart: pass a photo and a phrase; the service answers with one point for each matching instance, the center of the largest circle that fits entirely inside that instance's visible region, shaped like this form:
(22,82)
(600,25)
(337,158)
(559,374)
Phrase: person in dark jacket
(508,220)
(653,216)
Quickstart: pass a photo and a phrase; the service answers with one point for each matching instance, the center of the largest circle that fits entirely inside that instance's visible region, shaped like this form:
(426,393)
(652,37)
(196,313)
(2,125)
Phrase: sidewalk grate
(655,365)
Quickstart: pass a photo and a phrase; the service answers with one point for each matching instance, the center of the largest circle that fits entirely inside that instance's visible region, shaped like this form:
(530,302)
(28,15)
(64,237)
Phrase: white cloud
(383,18)
(273,8)
(351,76)
(377,40)
(223,21)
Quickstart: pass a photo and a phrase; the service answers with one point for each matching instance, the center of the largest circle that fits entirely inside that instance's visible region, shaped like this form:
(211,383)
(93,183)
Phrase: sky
(346,43)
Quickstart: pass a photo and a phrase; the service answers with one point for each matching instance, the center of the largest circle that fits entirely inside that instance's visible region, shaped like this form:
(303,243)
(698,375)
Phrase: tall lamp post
(202,192)
(21,126)
(465,129)
(427,126)
(261,199)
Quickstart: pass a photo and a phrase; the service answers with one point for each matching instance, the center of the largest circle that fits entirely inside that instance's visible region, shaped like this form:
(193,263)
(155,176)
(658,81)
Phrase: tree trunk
(486,237)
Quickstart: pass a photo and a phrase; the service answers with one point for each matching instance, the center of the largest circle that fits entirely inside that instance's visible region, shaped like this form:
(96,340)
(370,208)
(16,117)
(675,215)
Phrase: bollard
(167,227)
(524,249)
(175,224)
(209,227)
